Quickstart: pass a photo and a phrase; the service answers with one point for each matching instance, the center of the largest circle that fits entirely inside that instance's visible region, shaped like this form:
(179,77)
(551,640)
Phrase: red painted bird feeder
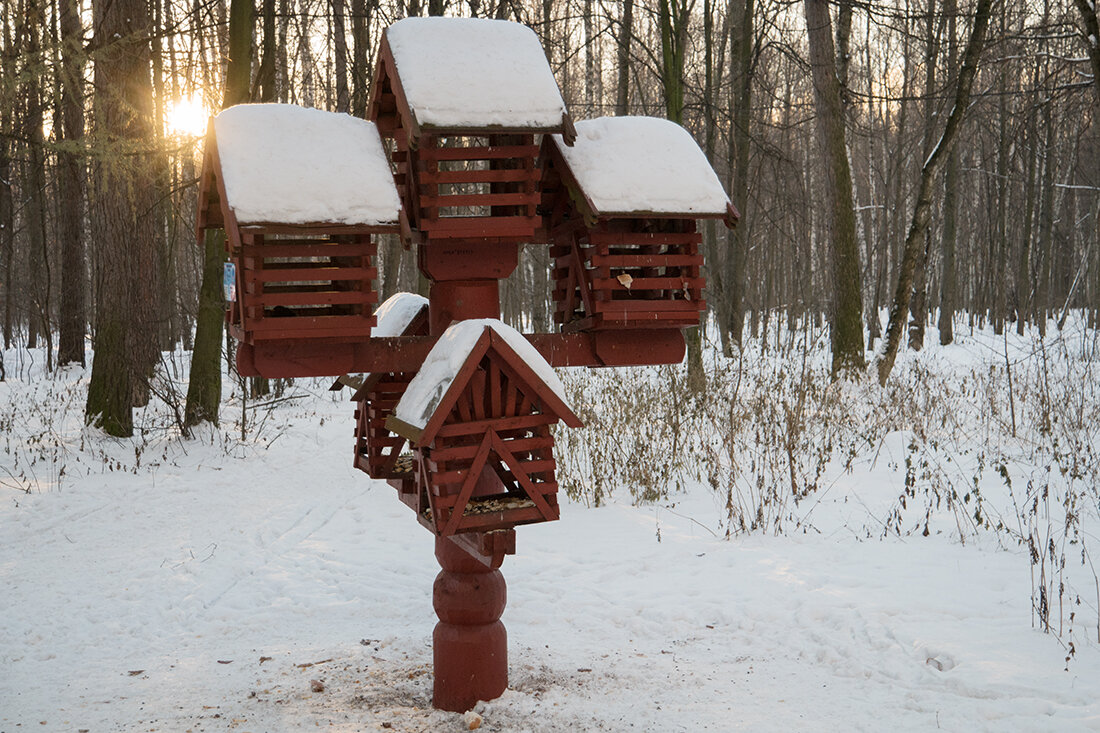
(378,451)
(300,193)
(622,205)
(463,120)
(454,408)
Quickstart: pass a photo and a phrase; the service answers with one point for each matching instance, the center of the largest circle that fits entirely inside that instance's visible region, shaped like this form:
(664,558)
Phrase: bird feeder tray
(484,454)
(379,451)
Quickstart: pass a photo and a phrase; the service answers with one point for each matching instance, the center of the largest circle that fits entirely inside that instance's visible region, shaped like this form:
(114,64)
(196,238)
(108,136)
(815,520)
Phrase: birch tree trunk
(930,173)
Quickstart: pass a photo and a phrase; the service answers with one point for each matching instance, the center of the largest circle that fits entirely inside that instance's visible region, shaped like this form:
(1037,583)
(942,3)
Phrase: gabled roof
(284,164)
(628,167)
(395,316)
(402,314)
(469,75)
(435,389)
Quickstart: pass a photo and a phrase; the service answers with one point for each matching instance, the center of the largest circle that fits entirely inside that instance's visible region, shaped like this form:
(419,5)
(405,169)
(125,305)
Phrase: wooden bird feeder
(378,450)
(301,271)
(466,168)
(480,426)
(622,205)
(455,409)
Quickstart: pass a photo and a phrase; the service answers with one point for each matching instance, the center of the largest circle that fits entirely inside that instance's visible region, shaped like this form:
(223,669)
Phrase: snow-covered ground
(160,584)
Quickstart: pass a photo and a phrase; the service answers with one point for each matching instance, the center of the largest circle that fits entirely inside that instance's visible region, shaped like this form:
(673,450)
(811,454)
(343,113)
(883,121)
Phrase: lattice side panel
(297,288)
(646,278)
(473,187)
(378,450)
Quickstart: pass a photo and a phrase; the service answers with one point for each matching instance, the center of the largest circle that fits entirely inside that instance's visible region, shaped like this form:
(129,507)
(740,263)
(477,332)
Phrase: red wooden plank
(478,176)
(507,423)
(476,199)
(329,297)
(468,485)
(628,238)
(479,152)
(473,226)
(649,283)
(638,306)
(548,512)
(307,248)
(277,273)
(647,260)
(466,452)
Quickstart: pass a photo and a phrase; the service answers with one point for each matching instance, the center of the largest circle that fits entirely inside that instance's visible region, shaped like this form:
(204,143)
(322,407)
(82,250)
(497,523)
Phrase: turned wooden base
(470,644)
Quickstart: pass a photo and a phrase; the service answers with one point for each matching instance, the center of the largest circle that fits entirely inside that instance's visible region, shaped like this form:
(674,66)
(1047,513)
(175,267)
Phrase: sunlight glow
(187,116)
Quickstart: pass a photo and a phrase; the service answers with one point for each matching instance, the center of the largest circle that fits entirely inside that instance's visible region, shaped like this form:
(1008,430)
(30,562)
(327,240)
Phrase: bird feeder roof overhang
(468,76)
(638,167)
(280,166)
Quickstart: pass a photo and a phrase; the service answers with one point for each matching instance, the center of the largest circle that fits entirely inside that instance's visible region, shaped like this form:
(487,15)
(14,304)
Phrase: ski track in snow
(206,591)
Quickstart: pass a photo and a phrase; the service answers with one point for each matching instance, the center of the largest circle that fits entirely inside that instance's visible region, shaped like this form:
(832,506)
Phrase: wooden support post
(470,644)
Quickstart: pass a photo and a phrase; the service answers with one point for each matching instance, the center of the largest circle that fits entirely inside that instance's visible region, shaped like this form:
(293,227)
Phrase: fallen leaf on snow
(135,672)
(316,685)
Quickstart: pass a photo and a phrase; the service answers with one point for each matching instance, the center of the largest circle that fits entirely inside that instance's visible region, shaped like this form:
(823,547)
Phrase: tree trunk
(265,76)
(1091,37)
(918,309)
(340,44)
(360,59)
(673,18)
(847,309)
(622,85)
(741,55)
(948,276)
(930,173)
(72,316)
(7,204)
(204,381)
(121,208)
(37,289)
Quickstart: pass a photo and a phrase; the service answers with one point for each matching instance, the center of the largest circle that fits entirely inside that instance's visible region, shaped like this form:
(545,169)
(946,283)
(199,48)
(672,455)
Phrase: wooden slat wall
(297,288)
(608,278)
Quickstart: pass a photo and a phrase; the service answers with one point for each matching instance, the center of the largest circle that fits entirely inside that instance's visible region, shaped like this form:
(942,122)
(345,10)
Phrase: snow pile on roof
(642,165)
(474,72)
(439,370)
(291,165)
(395,315)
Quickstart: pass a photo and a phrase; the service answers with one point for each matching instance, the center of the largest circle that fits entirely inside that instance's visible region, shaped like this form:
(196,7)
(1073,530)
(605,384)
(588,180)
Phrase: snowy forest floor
(162,584)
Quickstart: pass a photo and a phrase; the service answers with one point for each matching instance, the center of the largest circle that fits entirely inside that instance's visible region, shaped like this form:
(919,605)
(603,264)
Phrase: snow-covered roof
(395,315)
(475,72)
(286,164)
(627,165)
(446,358)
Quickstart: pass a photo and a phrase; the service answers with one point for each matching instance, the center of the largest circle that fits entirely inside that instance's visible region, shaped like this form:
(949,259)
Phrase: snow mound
(633,165)
(286,164)
(435,377)
(395,315)
(474,72)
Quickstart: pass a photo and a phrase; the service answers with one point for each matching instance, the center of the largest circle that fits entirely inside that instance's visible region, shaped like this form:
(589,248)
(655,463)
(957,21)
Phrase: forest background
(965,133)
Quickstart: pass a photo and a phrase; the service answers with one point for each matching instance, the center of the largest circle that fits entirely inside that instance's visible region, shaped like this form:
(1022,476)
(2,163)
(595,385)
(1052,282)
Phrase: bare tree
(930,173)
(846,314)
